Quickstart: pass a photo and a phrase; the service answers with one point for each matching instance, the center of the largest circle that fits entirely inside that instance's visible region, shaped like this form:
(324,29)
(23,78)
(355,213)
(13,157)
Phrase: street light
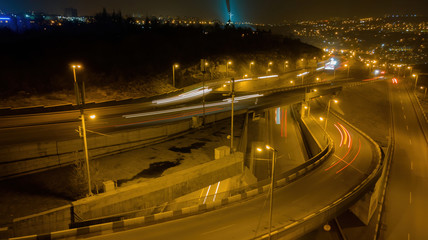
(81,103)
(348,66)
(416,80)
(268,66)
(174,66)
(328,111)
(274,152)
(227,67)
(251,64)
(285,65)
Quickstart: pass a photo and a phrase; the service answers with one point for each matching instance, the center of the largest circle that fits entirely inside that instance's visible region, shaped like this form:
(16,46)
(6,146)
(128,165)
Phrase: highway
(345,169)
(406,210)
(62,125)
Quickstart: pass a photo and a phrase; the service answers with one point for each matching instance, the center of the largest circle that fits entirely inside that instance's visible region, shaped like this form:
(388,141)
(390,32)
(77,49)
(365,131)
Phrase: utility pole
(81,104)
(231,124)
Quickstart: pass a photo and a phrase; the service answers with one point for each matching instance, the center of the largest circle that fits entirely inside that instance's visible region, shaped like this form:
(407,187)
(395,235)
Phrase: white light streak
(190,94)
(302,74)
(229,100)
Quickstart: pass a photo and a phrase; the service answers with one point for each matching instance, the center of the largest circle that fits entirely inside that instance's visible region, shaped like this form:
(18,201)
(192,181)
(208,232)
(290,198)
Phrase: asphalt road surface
(346,168)
(406,210)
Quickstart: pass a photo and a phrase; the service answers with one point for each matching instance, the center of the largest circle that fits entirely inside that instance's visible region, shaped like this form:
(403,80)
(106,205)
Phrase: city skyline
(275,11)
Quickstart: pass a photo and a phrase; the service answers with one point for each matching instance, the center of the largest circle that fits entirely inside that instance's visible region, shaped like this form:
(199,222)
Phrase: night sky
(257,11)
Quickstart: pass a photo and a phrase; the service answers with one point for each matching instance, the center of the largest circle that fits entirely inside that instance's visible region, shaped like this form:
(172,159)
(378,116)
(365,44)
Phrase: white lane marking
(217,229)
(289,156)
(407,127)
(411,165)
(410,140)
(408,236)
(215,194)
(410,199)
(405,116)
(402,107)
(208,191)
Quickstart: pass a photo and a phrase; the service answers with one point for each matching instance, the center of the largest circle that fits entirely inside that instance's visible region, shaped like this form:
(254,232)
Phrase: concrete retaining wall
(58,219)
(28,158)
(132,198)
(152,193)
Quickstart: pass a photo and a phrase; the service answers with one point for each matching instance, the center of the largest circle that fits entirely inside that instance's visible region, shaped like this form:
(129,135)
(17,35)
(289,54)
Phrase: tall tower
(230,14)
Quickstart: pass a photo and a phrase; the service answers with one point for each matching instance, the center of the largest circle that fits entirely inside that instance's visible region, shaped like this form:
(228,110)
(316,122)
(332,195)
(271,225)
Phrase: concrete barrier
(133,198)
(28,158)
(151,193)
(58,219)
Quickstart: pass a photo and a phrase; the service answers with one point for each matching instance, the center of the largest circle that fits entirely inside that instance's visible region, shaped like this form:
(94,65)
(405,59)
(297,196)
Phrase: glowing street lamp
(416,80)
(274,152)
(328,111)
(81,103)
(227,67)
(285,65)
(251,64)
(269,66)
(174,66)
(347,66)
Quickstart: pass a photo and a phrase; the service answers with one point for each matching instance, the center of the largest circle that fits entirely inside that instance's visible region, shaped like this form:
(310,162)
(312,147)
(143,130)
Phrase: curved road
(345,169)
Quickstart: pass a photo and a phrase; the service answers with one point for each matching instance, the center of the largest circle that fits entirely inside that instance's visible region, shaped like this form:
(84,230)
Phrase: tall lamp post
(416,80)
(347,66)
(285,65)
(231,117)
(251,64)
(268,68)
(328,111)
(227,67)
(274,152)
(81,103)
(174,66)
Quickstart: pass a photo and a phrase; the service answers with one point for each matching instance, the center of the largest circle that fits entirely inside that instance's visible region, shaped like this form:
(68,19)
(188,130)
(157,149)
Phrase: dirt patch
(188,149)
(155,170)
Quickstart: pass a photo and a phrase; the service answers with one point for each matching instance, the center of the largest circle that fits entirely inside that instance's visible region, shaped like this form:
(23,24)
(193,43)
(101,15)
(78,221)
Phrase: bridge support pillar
(366,206)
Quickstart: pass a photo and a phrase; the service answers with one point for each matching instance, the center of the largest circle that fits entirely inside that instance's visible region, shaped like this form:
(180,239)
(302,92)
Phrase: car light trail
(200,111)
(193,93)
(348,135)
(341,135)
(320,68)
(229,100)
(270,76)
(359,148)
(349,150)
(173,110)
(302,74)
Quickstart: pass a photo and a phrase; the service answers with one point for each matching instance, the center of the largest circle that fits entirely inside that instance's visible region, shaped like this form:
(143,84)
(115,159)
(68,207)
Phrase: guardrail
(71,107)
(306,224)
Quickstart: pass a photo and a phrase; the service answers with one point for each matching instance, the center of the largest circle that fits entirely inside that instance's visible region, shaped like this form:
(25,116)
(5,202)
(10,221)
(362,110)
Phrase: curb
(126,224)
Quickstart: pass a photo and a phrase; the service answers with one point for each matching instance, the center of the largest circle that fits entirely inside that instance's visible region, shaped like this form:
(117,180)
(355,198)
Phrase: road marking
(410,199)
(208,191)
(218,184)
(410,140)
(411,165)
(402,107)
(405,116)
(408,236)
(407,127)
(218,229)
